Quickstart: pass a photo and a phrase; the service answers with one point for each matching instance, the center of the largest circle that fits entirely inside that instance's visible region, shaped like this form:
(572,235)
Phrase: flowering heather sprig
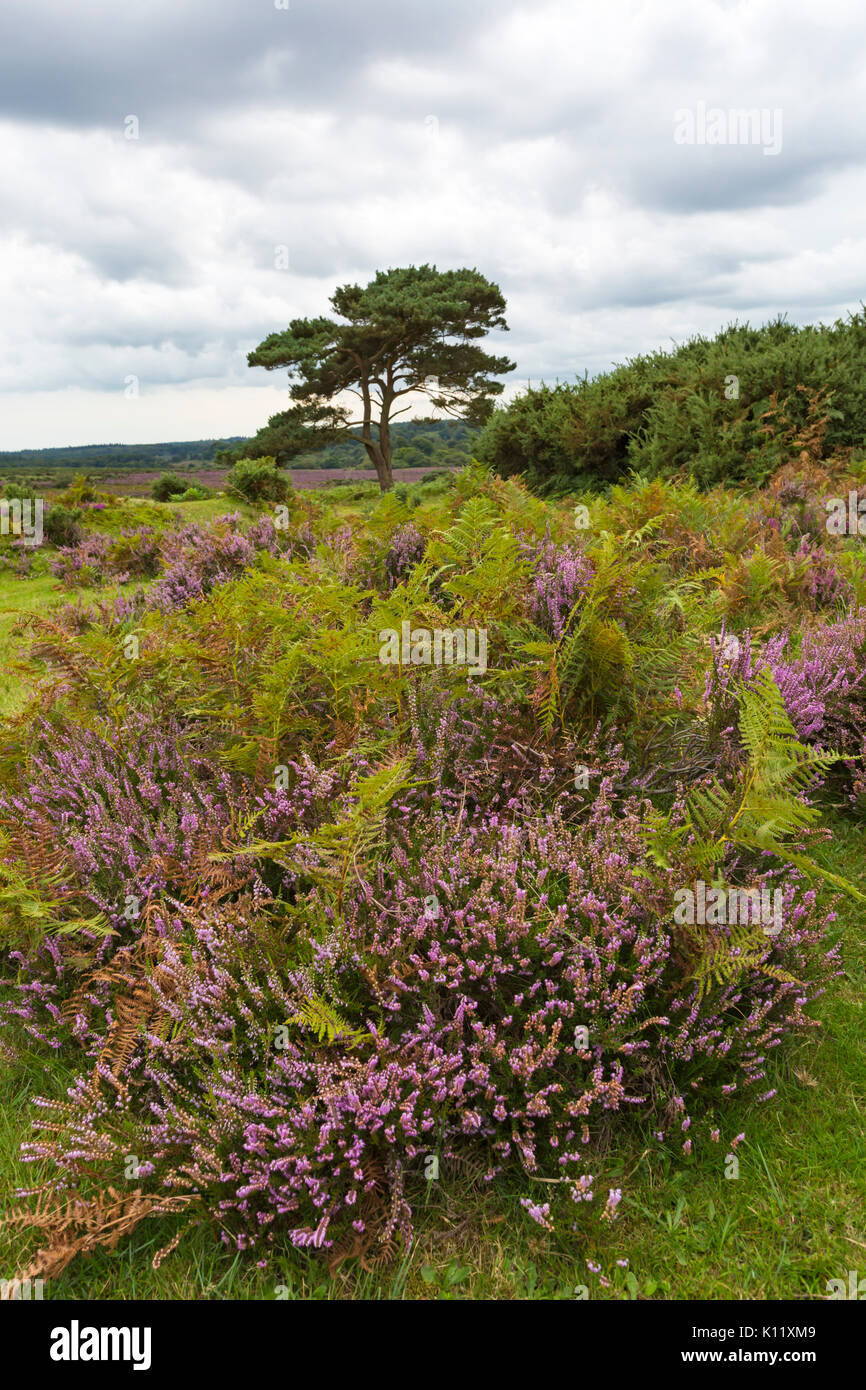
(405,551)
(17,559)
(822,583)
(562,573)
(82,564)
(97,558)
(128,817)
(197,558)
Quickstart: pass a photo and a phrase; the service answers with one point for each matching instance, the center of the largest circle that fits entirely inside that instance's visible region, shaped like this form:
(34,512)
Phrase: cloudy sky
(179,178)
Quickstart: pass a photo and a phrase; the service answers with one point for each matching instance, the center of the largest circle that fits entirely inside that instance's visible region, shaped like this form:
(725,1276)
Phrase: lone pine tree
(410,331)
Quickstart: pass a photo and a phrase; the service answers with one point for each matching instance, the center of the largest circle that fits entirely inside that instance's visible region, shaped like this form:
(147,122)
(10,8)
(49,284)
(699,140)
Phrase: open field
(139,484)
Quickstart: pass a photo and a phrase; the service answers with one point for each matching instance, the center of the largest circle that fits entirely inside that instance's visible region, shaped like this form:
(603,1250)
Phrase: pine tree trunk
(386,477)
(379,452)
(382,464)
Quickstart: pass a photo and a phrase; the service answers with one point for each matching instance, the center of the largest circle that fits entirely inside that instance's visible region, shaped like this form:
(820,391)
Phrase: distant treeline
(117,455)
(416,444)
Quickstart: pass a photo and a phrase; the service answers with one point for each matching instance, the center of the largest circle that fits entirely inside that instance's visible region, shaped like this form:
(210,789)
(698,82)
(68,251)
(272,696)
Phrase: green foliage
(196,493)
(416,443)
(338,848)
(166,487)
(81,491)
(479,564)
(733,408)
(565,436)
(409,331)
(39,904)
(259,480)
(15,488)
(321,1018)
(61,525)
(764,812)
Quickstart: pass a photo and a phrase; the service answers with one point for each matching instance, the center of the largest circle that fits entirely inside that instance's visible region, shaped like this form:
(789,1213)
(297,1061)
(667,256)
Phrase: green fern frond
(725,956)
(319,1017)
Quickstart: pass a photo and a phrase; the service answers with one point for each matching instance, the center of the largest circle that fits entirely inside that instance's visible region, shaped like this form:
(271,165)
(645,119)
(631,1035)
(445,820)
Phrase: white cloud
(518,138)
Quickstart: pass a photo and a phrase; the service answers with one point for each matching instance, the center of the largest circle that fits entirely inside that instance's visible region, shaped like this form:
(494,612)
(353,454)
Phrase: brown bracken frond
(76,1225)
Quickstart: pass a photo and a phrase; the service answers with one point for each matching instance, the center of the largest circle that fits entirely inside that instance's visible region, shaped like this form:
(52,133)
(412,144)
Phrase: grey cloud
(159,60)
(516,137)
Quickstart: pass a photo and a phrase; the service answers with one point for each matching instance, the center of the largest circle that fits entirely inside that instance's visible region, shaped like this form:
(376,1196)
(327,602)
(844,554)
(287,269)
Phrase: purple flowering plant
(308,919)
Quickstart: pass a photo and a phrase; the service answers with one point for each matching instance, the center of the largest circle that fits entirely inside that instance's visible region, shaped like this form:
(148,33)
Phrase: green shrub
(195,493)
(16,488)
(259,480)
(81,491)
(733,408)
(60,525)
(166,487)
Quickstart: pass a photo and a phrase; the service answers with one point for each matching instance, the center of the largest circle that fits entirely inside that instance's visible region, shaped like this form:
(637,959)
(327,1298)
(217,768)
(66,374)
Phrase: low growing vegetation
(377,869)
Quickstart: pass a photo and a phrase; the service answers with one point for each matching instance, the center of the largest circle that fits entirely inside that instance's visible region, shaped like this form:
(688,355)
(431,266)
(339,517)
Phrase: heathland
(336,964)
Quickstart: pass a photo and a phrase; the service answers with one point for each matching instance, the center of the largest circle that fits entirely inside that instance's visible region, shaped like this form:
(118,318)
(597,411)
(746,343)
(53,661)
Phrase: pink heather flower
(539,1213)
(613,1200)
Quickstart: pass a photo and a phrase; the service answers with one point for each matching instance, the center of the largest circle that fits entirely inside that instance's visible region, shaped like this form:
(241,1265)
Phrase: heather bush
(83,563)
(505,985)
(560,580)
(405,550)
(197,558)
(96,558)
(823,689)
(17,559)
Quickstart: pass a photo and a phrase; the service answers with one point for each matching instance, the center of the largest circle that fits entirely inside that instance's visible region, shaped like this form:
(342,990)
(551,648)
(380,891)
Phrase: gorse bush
(259,480)
(196,493)
(311,916)
(731,408)
(170,488)
(61,525)
(166,487)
